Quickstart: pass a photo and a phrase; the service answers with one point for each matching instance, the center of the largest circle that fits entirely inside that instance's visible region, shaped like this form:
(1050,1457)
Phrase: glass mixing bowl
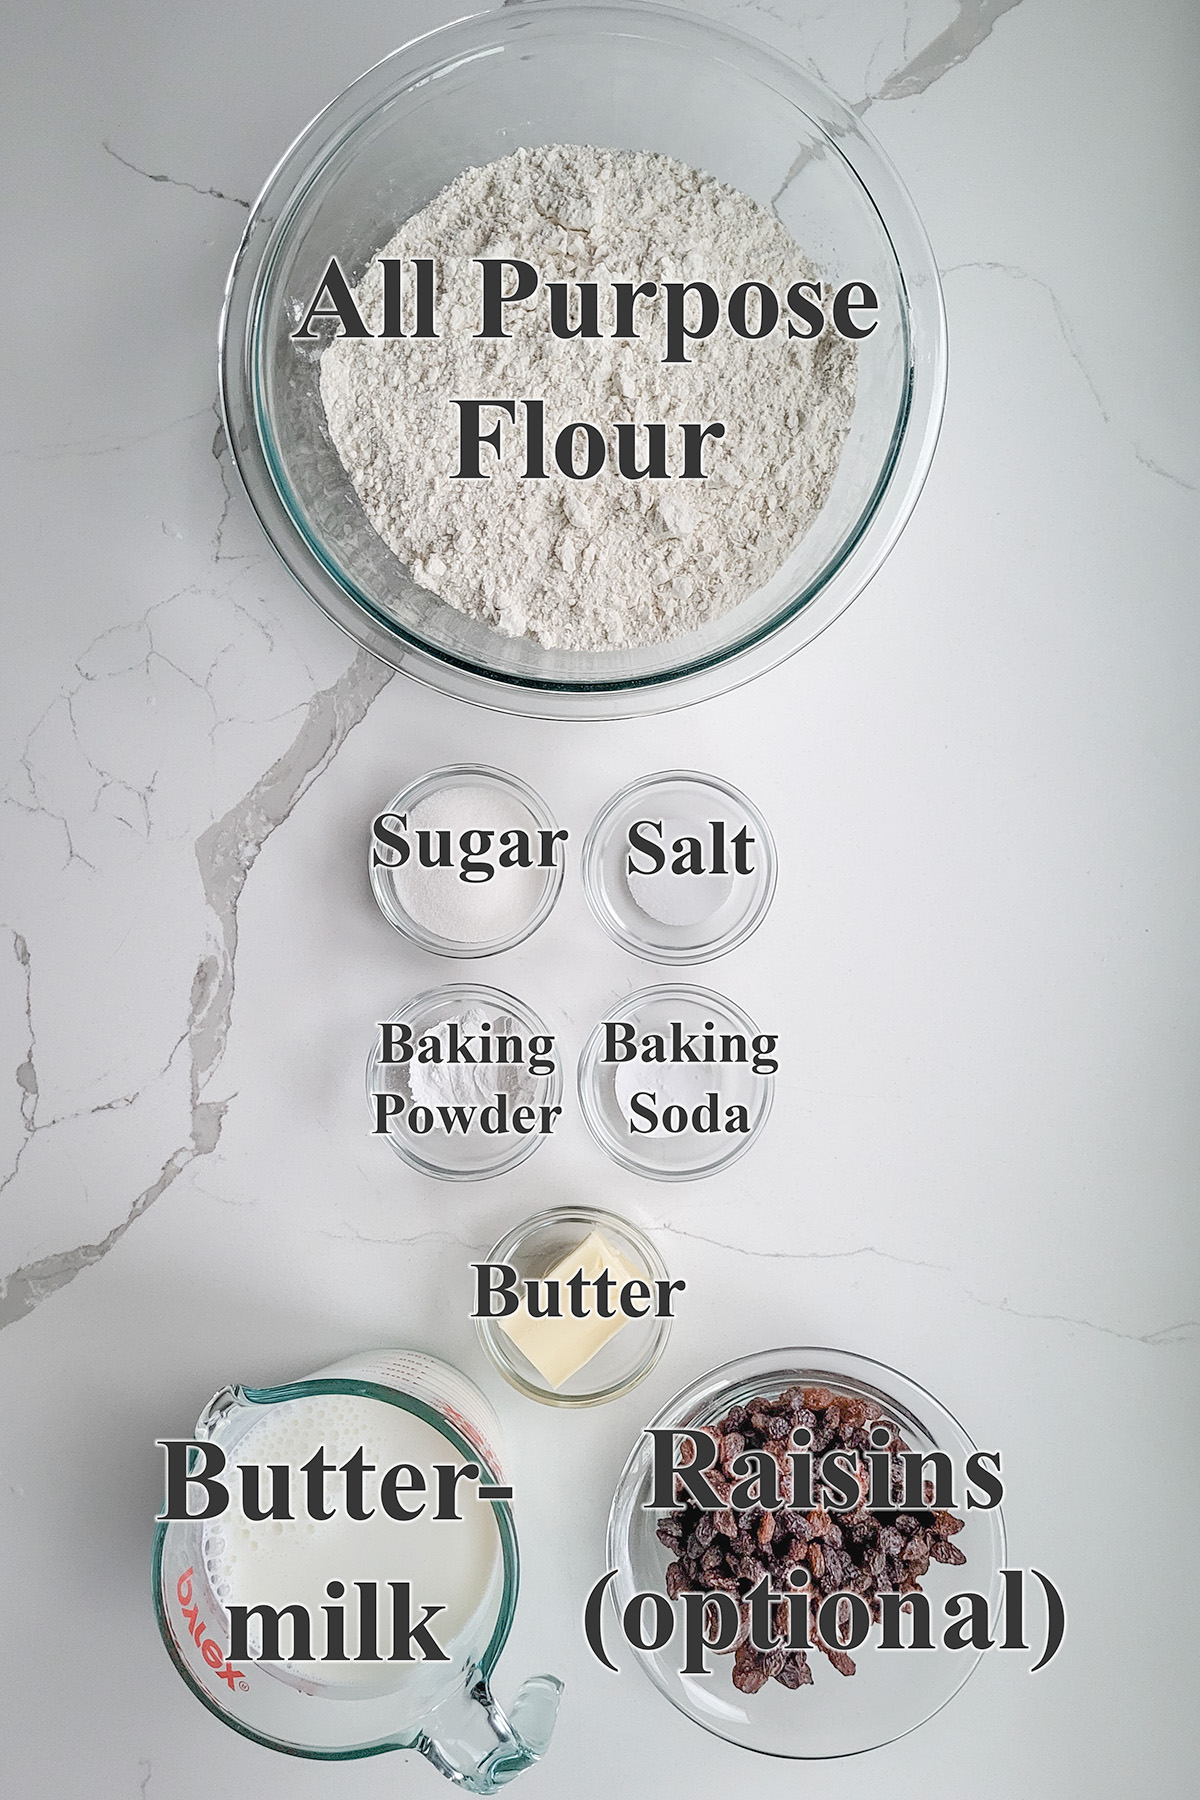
(632,77)
(890,1694)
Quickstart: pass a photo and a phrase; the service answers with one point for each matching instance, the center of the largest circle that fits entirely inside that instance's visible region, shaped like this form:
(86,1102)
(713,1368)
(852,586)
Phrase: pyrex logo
(196,1628)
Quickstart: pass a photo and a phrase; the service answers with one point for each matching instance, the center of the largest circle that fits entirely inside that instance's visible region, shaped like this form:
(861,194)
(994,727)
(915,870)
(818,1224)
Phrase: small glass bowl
(890,1695)
(384,885)
(536,1246)
(738,902)
(471,1155)
(666,1153)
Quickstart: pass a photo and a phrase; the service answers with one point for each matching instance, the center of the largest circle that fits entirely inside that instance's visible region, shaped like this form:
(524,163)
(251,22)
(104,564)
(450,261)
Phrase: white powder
(682,1084)
(607,563)
(679,900)
(469,912)
(470,1084)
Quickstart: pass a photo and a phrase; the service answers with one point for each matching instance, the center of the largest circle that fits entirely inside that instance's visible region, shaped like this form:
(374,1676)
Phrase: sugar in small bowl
(467,861)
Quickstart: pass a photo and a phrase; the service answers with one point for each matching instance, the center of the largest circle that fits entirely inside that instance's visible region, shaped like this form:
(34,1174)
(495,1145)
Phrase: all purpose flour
(607,563)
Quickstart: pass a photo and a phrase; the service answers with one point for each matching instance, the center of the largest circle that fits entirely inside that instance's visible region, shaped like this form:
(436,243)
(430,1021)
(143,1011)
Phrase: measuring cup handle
(481,1749)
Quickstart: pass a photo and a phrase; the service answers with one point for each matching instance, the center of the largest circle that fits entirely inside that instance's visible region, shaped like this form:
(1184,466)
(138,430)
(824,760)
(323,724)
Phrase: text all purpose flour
(608,562)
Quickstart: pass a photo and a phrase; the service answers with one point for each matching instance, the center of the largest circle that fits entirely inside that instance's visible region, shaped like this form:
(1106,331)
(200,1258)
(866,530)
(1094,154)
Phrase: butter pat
(558,1348)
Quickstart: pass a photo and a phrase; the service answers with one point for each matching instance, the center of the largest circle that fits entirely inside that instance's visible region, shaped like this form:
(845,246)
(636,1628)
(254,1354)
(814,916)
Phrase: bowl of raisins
(801,1672)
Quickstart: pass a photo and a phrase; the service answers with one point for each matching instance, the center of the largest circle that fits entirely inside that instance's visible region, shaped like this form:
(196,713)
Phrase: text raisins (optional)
(865,1551)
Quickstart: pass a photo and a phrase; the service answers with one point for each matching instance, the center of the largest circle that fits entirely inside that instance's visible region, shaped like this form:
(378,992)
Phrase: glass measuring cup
(444,1710)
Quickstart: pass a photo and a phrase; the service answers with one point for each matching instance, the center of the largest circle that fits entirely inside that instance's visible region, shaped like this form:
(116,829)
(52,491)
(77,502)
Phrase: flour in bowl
(606,563)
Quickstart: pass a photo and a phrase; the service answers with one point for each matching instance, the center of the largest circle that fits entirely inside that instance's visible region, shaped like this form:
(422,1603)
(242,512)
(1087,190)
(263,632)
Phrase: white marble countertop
(983,783)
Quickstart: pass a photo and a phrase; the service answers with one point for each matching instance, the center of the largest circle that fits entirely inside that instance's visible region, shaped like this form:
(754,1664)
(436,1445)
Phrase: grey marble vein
(220,455)
(111,447)
(350,1234)
(1187,1331)
(225,853)
(1016,273)
(26,1076)
(972,26)
(974,23)
(228,850)
(27,1079)
(34,806)
(209,193)
(801,1255)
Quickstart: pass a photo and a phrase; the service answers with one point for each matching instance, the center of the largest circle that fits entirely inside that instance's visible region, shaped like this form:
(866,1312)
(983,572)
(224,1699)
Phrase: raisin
(865,1551)
(676,1580)
(748,1672)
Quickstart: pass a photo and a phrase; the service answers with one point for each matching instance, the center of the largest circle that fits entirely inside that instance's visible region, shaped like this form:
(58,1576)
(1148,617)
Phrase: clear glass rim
(825,596)
(597,896)
(713,1392)
(494,1341)
(592,1115)
(388,901)
(462,991)
(501,1509)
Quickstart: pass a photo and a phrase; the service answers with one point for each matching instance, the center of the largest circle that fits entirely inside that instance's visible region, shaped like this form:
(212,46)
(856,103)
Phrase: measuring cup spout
(229,1399)
(474,1744)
